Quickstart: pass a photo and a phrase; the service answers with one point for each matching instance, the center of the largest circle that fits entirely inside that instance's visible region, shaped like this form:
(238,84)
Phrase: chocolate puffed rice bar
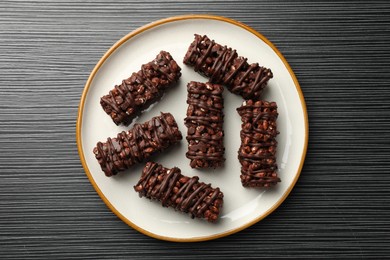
(257,153)
(136,145)
(205,125)
(222,65)
(185,194)
(127,100)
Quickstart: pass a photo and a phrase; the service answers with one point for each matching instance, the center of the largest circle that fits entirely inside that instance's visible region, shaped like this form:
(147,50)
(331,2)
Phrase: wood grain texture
(340,206)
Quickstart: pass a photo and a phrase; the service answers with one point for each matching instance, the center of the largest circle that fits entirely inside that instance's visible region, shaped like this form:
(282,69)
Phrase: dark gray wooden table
(340,207)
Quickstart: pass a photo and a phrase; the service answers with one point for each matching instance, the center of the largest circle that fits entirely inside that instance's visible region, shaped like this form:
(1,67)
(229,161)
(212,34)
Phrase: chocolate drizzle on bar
(205,125)
(223,66)
(185,194)
(138,92)
(257,153)
(139,143)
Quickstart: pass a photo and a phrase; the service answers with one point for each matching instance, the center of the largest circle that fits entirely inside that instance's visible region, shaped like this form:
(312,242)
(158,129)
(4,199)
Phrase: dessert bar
(127,100)
(185,194)
(222,65)
(205,125)
(257,153)
(139,143)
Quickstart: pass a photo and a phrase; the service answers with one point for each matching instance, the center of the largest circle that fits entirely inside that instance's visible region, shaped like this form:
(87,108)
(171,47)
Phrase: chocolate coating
(223,66)
(205,125)
(127,100)
(139,143)
(185,194)
(257,153)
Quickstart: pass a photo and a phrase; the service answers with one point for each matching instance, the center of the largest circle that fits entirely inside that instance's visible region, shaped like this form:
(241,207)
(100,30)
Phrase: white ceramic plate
(242,206)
